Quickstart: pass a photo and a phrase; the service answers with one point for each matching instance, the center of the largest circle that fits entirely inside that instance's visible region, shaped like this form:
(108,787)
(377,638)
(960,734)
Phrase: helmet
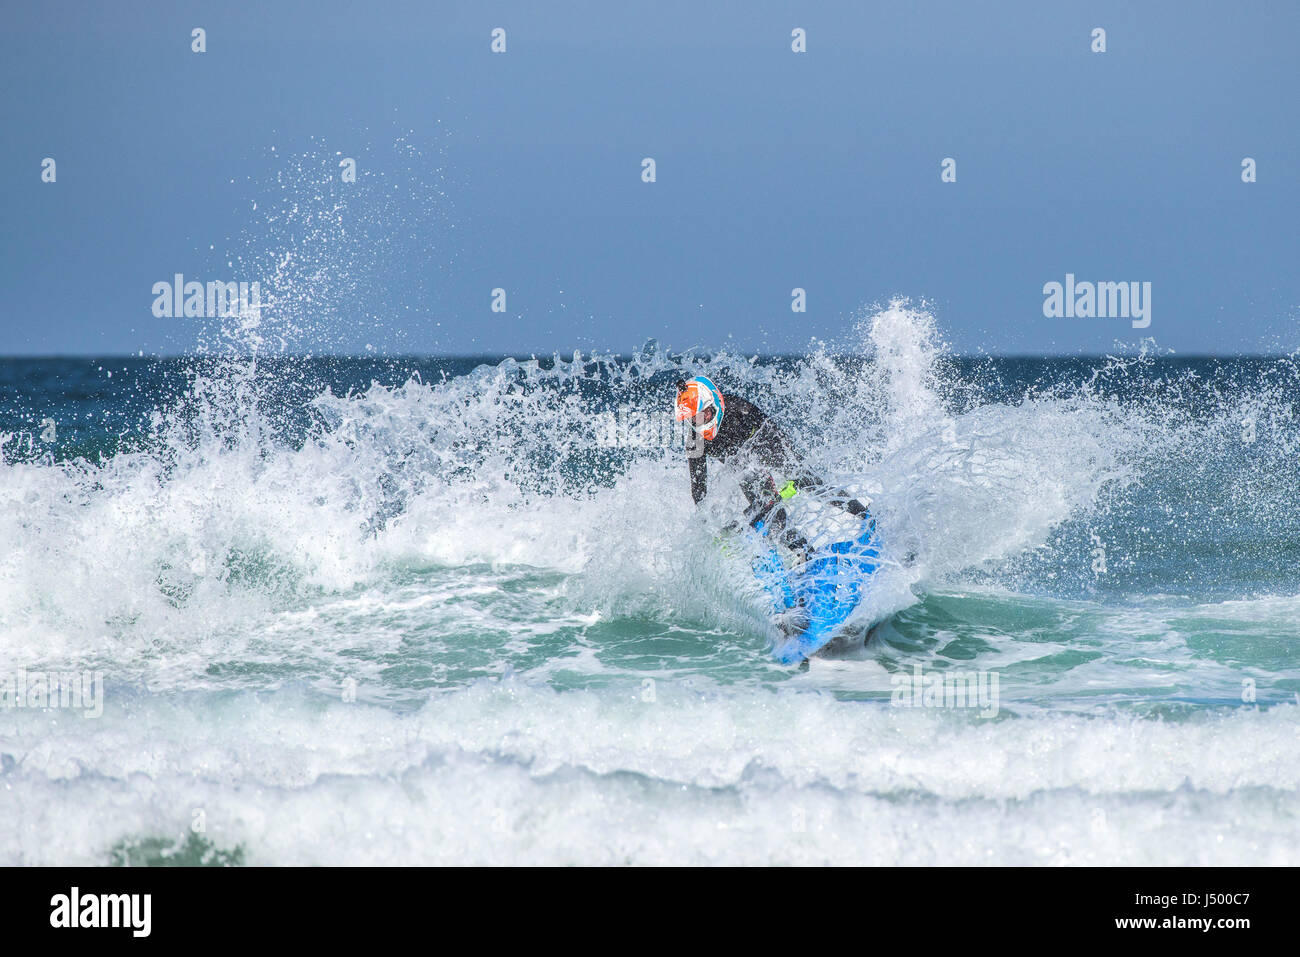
(700,403)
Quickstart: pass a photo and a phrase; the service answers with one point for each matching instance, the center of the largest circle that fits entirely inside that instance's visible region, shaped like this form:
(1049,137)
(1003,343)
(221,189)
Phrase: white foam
(512,773)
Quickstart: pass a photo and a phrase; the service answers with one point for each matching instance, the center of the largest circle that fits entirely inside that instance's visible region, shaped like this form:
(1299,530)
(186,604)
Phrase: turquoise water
(449,611)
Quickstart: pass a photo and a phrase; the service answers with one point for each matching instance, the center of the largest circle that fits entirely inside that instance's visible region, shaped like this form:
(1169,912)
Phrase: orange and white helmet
(700,403)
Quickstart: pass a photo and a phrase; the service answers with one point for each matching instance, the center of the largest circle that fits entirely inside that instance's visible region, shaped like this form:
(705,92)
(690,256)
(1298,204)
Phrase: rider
(734,430)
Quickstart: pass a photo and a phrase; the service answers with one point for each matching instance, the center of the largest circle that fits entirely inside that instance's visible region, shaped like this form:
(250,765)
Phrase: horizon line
(401,356)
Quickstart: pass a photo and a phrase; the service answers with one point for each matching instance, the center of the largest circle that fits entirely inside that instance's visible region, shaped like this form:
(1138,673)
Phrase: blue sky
(775,170)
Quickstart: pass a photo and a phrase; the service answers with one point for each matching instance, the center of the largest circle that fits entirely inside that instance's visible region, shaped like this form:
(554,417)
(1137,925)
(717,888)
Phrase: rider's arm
(699,478)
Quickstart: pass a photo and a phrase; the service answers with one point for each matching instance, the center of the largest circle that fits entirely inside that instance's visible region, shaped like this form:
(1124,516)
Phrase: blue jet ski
(812,599)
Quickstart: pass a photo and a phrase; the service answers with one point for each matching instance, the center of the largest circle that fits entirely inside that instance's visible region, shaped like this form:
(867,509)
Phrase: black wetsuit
(750,440)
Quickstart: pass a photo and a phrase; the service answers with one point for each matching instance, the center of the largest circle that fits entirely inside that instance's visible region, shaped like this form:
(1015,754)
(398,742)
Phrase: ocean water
(424,610)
